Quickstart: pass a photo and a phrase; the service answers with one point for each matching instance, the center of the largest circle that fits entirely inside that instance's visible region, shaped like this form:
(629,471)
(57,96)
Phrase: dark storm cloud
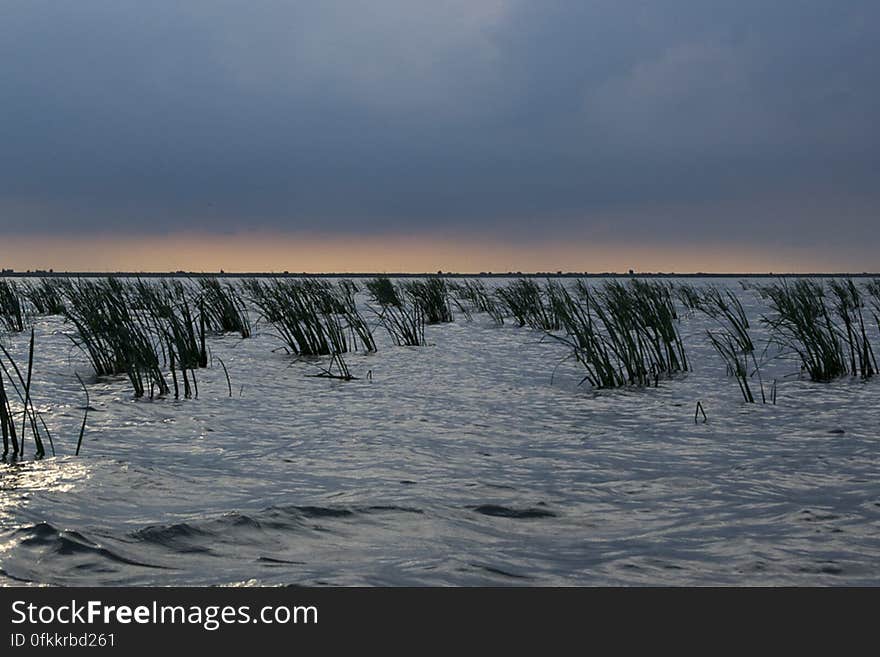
(620,118)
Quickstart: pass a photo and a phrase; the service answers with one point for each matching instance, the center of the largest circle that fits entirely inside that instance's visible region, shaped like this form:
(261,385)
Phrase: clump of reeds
(529,305)
(12,313)
(30,418)
(471,296)
(732,340)
(313,317)
(873,288)
(178,331)
(641,320)
(463,306)
(16,400)
(223,307)
(402,316)
(623,334)
(847,303)
(583,320)
(113,334)
(803,323)
(45,296)
(7,422)
(432,294)
(689,296)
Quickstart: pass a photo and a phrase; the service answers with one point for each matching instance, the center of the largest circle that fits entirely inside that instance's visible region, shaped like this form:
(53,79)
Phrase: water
(478,460)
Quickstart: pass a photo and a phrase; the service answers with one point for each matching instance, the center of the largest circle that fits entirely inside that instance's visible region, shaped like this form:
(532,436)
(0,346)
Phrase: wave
(49,539)
(508,512)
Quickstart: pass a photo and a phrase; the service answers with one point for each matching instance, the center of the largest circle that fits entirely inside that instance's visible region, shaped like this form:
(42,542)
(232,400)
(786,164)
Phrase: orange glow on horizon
(278,253)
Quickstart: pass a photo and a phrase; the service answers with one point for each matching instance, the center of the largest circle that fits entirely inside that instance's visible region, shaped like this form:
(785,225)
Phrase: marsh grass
(31,418)
(848,305)
(45,296)
(623,334)
(642,324)
(12,312)
(529,304)
(472,296)
(169,309)
(801,322)
(873,288)
(689,296)
(582,320)
(313,317)
(346,302)
(463,309)
(7,422)
(432,294)
(224,308)
(732,339)
(400,315)
(113,334)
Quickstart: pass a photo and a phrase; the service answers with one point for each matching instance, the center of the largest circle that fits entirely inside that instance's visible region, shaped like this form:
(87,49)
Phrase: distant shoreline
(515,274)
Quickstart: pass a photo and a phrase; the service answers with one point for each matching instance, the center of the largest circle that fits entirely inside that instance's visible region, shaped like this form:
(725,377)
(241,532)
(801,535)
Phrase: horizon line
(51,273)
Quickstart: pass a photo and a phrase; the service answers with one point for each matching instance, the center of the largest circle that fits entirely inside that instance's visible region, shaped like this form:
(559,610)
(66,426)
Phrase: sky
(455,135)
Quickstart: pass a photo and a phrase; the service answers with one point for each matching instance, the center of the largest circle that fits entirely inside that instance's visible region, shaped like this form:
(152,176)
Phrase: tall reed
(313,317)
(873,288)
(400,315)
(582,320)
(689,296)
(847,303)
(12,313)
(472,296)
(432,294)
(113,334)
(641,321)
(224,308)
(802,323)
(529,305)
(31,418)
(622,334)
(168,309)
(7,422)
(732,339)
(45,296)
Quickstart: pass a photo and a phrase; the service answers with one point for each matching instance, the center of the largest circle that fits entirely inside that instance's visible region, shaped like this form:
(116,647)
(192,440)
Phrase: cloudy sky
(588,135)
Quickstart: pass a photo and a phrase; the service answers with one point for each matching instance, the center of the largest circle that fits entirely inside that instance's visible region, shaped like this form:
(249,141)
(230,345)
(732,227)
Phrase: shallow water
(477,460)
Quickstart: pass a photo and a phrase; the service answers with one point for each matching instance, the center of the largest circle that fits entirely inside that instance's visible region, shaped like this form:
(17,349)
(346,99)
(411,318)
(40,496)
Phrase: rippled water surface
(477,460)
